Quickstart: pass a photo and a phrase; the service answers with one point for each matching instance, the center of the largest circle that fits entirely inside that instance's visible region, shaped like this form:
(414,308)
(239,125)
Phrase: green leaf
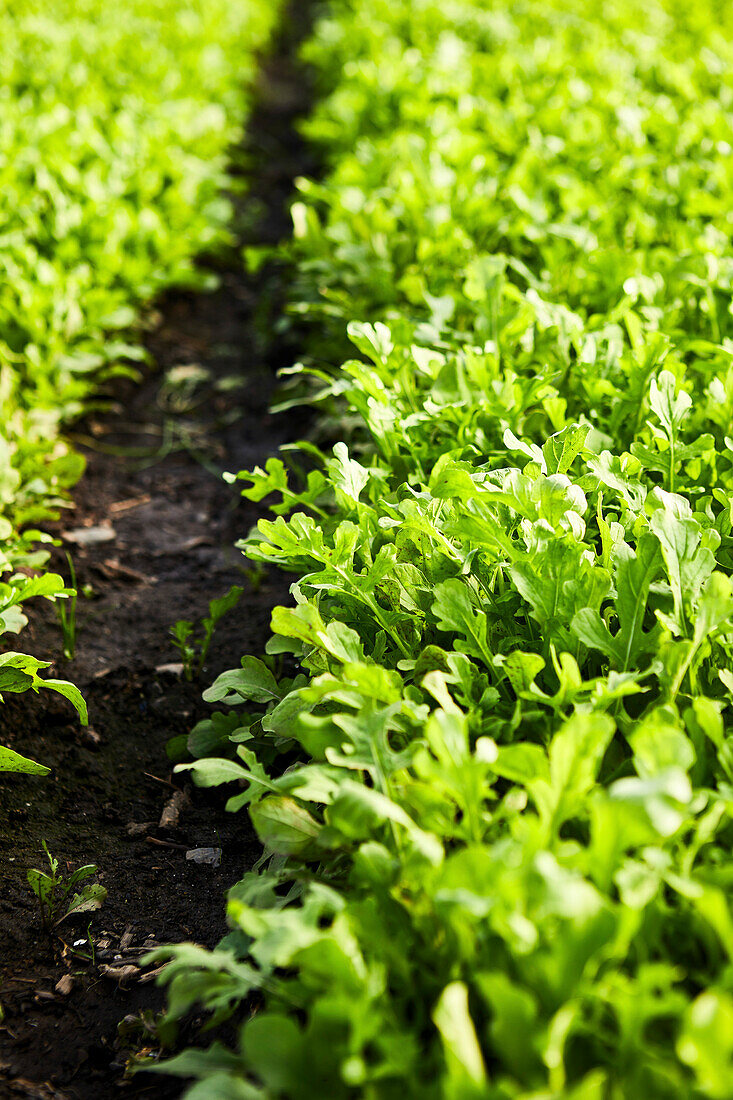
(70,692)
(15,680)
(455,612)
(252,681)
(659,743)
(375,341)
(522,763)
(11,761)
(212,771)
(514,1021)
(284,826)
(522,670)
(575,756)
(715,607)
(347,474)
(92,897)
(276,1051)
(634,573)
(688,565)
(360,813)
(670,407)
(706,1042)
(461,1048)
(561,449)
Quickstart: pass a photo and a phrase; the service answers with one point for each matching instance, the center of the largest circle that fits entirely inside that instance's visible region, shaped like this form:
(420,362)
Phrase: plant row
(116,124)
(488,750)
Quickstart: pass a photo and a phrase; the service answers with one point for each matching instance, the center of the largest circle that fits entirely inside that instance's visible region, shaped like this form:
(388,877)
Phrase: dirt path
(171,523)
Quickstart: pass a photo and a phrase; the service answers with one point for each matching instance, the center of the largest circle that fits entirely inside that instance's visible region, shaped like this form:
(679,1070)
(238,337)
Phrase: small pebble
(212,856)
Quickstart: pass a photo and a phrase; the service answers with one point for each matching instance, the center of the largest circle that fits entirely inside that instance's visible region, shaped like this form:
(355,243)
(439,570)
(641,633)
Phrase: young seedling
(58,897)
(66,612)
(194,650)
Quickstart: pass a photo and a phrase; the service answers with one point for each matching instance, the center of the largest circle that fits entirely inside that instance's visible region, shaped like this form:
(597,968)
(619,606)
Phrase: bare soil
(153,481)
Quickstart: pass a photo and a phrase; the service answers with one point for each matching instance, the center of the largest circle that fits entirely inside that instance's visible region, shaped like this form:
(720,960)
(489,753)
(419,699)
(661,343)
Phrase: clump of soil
(154,494)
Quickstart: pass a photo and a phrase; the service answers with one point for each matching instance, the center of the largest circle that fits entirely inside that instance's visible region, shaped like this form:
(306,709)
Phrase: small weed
(66,612)
(58,897)
(193,647)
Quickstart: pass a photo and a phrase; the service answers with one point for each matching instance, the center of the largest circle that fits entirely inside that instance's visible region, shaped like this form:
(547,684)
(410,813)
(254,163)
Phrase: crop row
(487,752)
(116,123)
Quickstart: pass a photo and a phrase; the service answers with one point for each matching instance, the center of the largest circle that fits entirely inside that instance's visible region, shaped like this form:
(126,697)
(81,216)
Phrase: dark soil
(153,480)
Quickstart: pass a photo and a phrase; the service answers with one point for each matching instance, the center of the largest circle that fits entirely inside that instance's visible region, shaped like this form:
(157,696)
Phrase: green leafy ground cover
(115,122)
(488,753)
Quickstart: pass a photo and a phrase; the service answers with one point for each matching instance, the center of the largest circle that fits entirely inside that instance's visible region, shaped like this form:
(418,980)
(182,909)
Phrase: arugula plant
(112,185)
(20,672)
(487,752)
(505,666)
